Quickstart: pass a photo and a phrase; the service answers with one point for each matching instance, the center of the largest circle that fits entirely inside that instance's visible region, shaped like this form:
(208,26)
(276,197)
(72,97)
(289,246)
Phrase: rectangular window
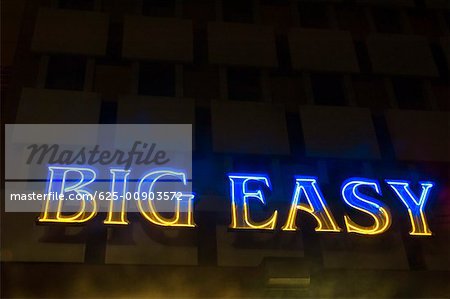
(441,91)
(283,53)
(112,80)
(200,41)
(277,14)
(362,55)
(108,112)
(328,89)
(199,10)
(313,15)
(353,19)
(447,18)
(244,84)
(370,92)
(238,11)
(274,2)
(118,8)
(157,79)
(158,8)
(289,90)
(409,93)
(66,72)
(76,4)
(387,20)
(424,23)
(440,59)
(201,82)
(114,42)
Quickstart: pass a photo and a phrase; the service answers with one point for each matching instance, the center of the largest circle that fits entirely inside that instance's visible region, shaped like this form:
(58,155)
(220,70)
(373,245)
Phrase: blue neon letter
(240,193)
(117,205)
(57,184)
(316,206)
(415,206)
(183,213)
(366,204)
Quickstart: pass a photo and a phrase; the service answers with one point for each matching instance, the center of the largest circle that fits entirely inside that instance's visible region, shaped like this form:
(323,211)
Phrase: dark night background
(332,89)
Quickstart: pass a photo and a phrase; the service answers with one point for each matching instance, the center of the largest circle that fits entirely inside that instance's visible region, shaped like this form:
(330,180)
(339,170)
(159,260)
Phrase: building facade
(332,89)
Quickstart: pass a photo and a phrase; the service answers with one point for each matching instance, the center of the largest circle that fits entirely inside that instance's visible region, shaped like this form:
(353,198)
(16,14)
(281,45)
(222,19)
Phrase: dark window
(296,138)
(118,8)
(441,92)
(363,57)
(200,10)
(76,4)
(313,15)
(238,11)
(383,136)
(112,78)
(66,72)
(424,22)
(409,93)
(244,84)
(328,89)
(420,4)
(447,18)
(108,112)
(201,82)
(288,89)
(200,42)
(283,54)
(157,79)
(440,59)
(114,43)
(274,2)
(277,14)
(387,20)
(353,19)
(4,79)
(370,92)
(158,8)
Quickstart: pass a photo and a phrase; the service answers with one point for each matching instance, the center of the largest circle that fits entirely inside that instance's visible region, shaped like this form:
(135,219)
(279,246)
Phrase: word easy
(246,190)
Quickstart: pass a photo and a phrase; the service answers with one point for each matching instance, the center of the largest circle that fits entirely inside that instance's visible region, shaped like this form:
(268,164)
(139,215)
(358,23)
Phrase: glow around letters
(247,191)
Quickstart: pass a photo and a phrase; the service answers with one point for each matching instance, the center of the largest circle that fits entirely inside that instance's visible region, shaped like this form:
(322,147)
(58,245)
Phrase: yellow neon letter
(57,185)
(240,213)
(316,206)
(118,200)
(364,203)
(183,214)
(415,206)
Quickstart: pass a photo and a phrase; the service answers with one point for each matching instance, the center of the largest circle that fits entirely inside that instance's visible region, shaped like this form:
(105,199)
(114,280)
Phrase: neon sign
(246,190)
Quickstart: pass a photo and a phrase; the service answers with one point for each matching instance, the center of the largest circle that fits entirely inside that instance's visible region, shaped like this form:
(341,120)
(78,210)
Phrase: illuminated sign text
(246,190)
